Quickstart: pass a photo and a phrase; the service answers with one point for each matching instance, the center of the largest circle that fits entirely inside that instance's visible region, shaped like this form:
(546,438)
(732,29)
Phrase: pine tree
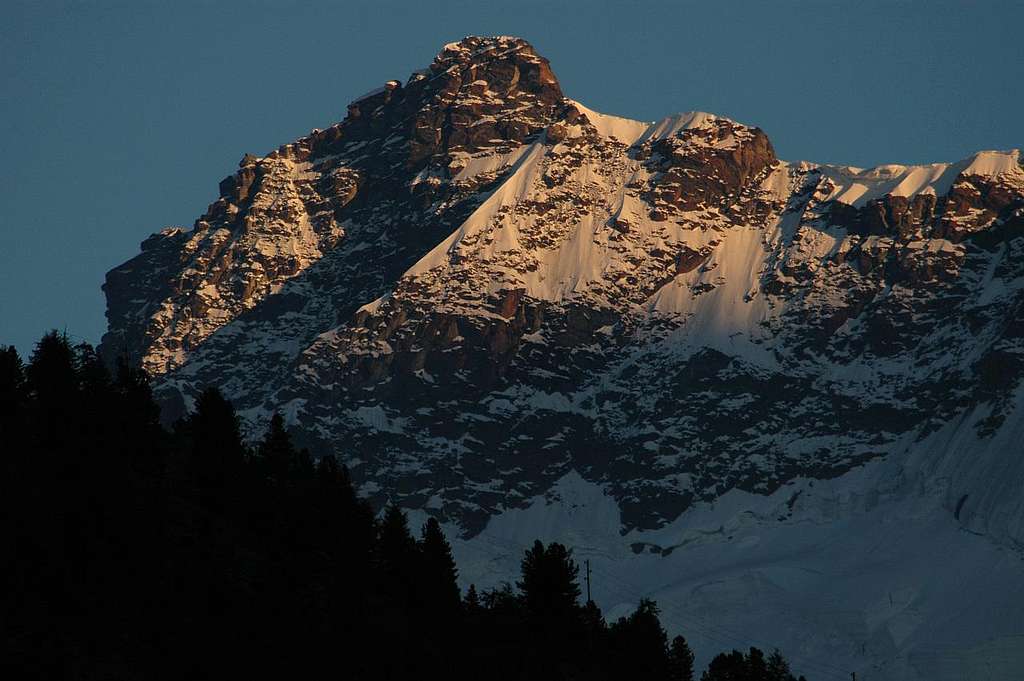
(549,581)
(92,375)
(593,620)
(12,402)
(51,371)
(757,667)
(778,668)
(501,599)
(680,660)
(550,598)
(53,385)
(98,439)
(472,601)
(396,556)
(276,452)
(12,374)
(640,643)
(727,667)
(217,452)
(438,572)
(137,417)
(752,666)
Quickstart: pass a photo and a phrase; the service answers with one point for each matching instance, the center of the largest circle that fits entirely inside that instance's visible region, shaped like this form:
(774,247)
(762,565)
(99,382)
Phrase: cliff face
(379,177)
(473,285)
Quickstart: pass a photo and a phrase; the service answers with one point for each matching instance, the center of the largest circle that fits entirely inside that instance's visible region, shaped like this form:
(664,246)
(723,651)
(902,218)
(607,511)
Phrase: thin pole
(587,563)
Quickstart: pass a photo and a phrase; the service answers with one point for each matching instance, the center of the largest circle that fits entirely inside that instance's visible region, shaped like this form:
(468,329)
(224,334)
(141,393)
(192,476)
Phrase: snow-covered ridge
(851,185)
(630,132)
(625,130)
(858,186)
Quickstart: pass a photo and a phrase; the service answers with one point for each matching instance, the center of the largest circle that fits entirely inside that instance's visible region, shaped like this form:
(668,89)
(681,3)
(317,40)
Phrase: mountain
(784,398)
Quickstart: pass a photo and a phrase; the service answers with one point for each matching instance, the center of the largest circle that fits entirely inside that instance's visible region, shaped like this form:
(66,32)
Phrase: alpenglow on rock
(473,285)
(719,374)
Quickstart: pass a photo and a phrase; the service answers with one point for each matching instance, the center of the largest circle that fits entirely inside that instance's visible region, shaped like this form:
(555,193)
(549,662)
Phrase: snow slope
(877,572)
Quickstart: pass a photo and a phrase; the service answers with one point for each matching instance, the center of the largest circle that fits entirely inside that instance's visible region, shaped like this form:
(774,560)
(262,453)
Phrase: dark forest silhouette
(133,552)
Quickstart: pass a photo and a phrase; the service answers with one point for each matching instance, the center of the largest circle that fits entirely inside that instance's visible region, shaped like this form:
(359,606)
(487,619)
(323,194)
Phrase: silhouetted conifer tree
(472,600)
(51,371)
(549,581)
(550,596)
(276,452)
(54,389)
(137,416)
(680,660)
(730,666)
(397,558)
(640,643)
(12,412)
(757,666)
(735,666)
(217,452)
(778,668)
(438,574)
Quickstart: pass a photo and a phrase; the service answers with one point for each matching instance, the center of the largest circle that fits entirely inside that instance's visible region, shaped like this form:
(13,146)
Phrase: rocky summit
(486,298)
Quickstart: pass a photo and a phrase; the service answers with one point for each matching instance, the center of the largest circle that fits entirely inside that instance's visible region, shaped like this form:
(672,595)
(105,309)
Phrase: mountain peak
(481,295)
(499,65)
(481,48)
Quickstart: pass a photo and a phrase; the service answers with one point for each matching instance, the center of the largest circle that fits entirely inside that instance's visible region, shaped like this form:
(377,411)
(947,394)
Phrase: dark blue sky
(120,118)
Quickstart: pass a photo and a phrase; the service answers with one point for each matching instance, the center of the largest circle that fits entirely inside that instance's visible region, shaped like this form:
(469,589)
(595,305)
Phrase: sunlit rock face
(472,286)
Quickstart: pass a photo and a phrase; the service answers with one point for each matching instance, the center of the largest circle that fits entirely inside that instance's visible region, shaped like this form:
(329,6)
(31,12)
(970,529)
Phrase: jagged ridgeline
(472,285)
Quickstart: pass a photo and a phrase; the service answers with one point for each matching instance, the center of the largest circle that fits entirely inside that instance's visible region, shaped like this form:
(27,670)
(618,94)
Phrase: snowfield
(871,572)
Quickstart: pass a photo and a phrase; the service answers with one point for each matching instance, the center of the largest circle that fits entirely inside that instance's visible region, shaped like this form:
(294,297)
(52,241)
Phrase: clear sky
(118,119)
